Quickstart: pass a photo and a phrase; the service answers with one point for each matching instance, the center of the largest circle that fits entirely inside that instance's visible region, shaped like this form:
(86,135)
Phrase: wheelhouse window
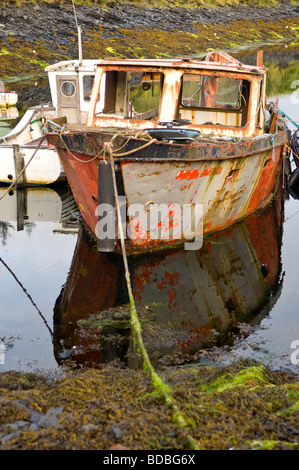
(131,94)
(144,94)
(214,100)
(203,91)
(87,86)
(68,89)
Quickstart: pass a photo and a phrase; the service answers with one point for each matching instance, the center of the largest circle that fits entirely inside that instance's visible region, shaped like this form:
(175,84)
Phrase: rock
(116,431)
(89,427)
(118,447)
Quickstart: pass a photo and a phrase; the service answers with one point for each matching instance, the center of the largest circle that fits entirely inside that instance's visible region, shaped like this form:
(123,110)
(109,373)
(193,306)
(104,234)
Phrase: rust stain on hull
(229,188)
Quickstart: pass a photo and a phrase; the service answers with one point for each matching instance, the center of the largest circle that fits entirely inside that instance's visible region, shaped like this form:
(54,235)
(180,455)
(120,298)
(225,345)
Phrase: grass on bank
(188,4)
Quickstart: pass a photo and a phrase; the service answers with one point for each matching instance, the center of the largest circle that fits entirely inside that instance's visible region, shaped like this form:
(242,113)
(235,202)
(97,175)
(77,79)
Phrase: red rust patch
(187,175)
(206,172)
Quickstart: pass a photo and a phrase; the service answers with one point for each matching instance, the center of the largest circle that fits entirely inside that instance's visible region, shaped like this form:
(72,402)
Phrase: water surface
(237,297)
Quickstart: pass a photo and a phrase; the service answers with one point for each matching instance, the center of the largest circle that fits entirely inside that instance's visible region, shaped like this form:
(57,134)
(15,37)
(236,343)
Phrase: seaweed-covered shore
(242,406)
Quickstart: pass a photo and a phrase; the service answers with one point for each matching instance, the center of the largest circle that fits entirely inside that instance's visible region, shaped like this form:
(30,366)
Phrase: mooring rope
(28,295)
(129,152)
(158,383)
(109,146)
(74,156)
(288,118)
(293,152)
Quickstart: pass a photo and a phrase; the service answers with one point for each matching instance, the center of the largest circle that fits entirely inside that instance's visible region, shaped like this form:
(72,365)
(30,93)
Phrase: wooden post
(259,58)
(19,166)
(21,207)
(21,187)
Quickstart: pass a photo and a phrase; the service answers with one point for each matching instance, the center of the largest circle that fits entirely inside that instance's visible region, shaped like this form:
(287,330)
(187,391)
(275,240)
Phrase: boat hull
(228,181)
(43,169)
(21,143)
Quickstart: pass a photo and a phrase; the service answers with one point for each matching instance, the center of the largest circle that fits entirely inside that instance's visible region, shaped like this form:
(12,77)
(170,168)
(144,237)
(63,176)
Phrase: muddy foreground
(243,406)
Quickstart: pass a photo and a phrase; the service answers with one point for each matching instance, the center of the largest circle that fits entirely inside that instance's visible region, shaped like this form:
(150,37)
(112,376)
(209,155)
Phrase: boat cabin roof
(217,61)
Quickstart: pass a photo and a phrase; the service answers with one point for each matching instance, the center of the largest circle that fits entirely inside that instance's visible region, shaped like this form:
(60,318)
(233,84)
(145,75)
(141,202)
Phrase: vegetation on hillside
(188,4)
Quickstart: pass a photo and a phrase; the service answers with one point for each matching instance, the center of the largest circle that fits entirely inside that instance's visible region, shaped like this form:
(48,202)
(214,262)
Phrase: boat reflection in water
(187,301)
(26,205)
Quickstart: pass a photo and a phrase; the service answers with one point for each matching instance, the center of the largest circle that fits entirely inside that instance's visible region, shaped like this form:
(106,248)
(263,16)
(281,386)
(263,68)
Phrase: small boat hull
(44,168)
(21,143)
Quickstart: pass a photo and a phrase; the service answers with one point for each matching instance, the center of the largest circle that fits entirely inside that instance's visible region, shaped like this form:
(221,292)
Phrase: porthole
(68,89)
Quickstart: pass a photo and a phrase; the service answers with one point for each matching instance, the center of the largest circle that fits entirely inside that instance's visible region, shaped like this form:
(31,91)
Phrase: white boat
(7,98)
(70,87)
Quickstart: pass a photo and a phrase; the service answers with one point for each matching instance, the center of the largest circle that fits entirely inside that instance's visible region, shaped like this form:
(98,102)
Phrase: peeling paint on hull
(232,181)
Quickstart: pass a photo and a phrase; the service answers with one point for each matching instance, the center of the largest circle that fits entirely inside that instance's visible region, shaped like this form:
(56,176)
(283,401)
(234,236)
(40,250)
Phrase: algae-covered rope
(158,383)
(23,170)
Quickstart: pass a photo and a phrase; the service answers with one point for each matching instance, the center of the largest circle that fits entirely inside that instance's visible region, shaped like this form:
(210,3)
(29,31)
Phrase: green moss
(269,445)
(250,377)
(4,52)
(292,408)
(40,63)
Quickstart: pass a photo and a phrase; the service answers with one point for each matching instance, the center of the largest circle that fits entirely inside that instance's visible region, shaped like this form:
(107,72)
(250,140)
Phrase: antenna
(80,44)
(79,29)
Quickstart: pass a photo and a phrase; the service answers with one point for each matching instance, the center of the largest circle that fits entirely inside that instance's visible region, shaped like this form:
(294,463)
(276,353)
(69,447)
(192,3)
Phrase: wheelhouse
(217,96)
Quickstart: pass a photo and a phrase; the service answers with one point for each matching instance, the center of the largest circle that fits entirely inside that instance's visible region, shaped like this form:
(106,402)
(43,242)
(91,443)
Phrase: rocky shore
(42,21)
(33,36)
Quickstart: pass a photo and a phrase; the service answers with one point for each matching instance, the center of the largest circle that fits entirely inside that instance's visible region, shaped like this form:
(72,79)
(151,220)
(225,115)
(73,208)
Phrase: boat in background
(25,206)
(165,138)
(7,98)
(23,147)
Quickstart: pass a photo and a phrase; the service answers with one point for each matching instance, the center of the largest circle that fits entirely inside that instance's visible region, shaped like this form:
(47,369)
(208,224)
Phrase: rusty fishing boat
(164,138)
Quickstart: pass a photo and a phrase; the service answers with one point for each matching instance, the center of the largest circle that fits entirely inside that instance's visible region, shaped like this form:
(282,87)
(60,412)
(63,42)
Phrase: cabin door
(68,98)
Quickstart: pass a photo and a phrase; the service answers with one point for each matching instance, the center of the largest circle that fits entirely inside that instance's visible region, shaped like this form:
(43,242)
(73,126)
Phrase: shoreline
(33,37)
